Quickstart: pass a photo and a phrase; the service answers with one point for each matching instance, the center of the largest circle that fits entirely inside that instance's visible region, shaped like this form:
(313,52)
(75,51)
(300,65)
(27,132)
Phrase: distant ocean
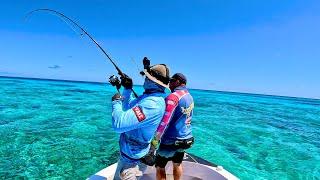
(59,129)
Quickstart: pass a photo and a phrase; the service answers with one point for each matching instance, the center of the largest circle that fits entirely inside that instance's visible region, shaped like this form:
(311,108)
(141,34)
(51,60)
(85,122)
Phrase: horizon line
(220,91)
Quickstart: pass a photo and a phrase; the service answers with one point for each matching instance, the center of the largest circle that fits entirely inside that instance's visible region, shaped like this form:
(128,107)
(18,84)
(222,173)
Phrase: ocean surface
(62,130)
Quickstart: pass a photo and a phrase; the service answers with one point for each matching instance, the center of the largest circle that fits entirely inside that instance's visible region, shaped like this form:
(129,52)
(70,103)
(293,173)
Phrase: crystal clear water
(57,129)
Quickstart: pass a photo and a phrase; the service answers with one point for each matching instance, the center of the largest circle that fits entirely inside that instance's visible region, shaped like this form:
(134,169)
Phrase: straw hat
(159,74)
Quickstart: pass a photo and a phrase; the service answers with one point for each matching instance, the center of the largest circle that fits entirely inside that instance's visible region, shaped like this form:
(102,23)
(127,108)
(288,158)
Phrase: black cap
(182,78)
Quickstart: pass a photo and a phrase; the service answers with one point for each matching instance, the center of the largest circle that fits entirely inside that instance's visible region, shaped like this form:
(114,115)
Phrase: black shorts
(176,158)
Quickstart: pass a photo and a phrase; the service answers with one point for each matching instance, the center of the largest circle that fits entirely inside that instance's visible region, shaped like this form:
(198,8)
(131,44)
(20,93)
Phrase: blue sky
(255,46)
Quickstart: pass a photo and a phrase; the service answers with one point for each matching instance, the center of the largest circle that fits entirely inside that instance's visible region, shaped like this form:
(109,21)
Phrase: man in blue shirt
(174,131)
(136,119)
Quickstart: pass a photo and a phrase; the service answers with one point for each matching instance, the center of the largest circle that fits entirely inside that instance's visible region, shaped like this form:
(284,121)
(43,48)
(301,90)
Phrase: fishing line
(135,63)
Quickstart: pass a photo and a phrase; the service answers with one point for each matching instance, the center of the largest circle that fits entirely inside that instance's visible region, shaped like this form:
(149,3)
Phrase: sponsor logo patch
(170,102)
(138,112)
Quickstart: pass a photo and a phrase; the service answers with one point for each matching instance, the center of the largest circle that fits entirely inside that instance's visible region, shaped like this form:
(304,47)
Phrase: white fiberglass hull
(193,168)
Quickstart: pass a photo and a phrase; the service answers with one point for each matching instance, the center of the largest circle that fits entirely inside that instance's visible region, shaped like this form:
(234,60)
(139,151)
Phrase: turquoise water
(57,129)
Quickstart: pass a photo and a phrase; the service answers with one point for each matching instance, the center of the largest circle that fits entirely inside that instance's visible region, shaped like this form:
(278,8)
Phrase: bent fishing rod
(66,19)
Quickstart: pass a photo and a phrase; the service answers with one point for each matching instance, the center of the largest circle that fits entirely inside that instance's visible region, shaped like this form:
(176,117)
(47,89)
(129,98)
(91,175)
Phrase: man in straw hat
(136,119)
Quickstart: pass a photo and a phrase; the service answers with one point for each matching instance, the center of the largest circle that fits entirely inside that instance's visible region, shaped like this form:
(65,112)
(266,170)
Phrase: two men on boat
(137,120)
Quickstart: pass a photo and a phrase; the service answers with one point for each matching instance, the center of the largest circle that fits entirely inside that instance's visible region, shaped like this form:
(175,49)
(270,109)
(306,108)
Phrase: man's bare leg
(161,173)
(177,171)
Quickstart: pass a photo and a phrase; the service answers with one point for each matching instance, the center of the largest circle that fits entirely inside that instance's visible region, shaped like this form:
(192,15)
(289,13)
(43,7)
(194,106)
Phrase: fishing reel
(114,81)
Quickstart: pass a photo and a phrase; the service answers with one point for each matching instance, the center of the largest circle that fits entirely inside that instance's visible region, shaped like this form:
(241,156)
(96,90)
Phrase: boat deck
(194,168)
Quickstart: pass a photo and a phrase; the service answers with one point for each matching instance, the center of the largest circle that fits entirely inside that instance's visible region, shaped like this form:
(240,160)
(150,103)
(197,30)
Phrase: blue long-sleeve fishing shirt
(137,119)
(176,124)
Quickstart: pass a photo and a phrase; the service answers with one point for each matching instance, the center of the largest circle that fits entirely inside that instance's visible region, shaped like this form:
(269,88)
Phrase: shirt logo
(187,111)
(139,114)
(170,102)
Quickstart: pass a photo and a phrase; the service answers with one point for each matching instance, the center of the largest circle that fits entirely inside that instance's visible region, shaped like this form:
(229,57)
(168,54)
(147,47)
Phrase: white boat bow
(193,168)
